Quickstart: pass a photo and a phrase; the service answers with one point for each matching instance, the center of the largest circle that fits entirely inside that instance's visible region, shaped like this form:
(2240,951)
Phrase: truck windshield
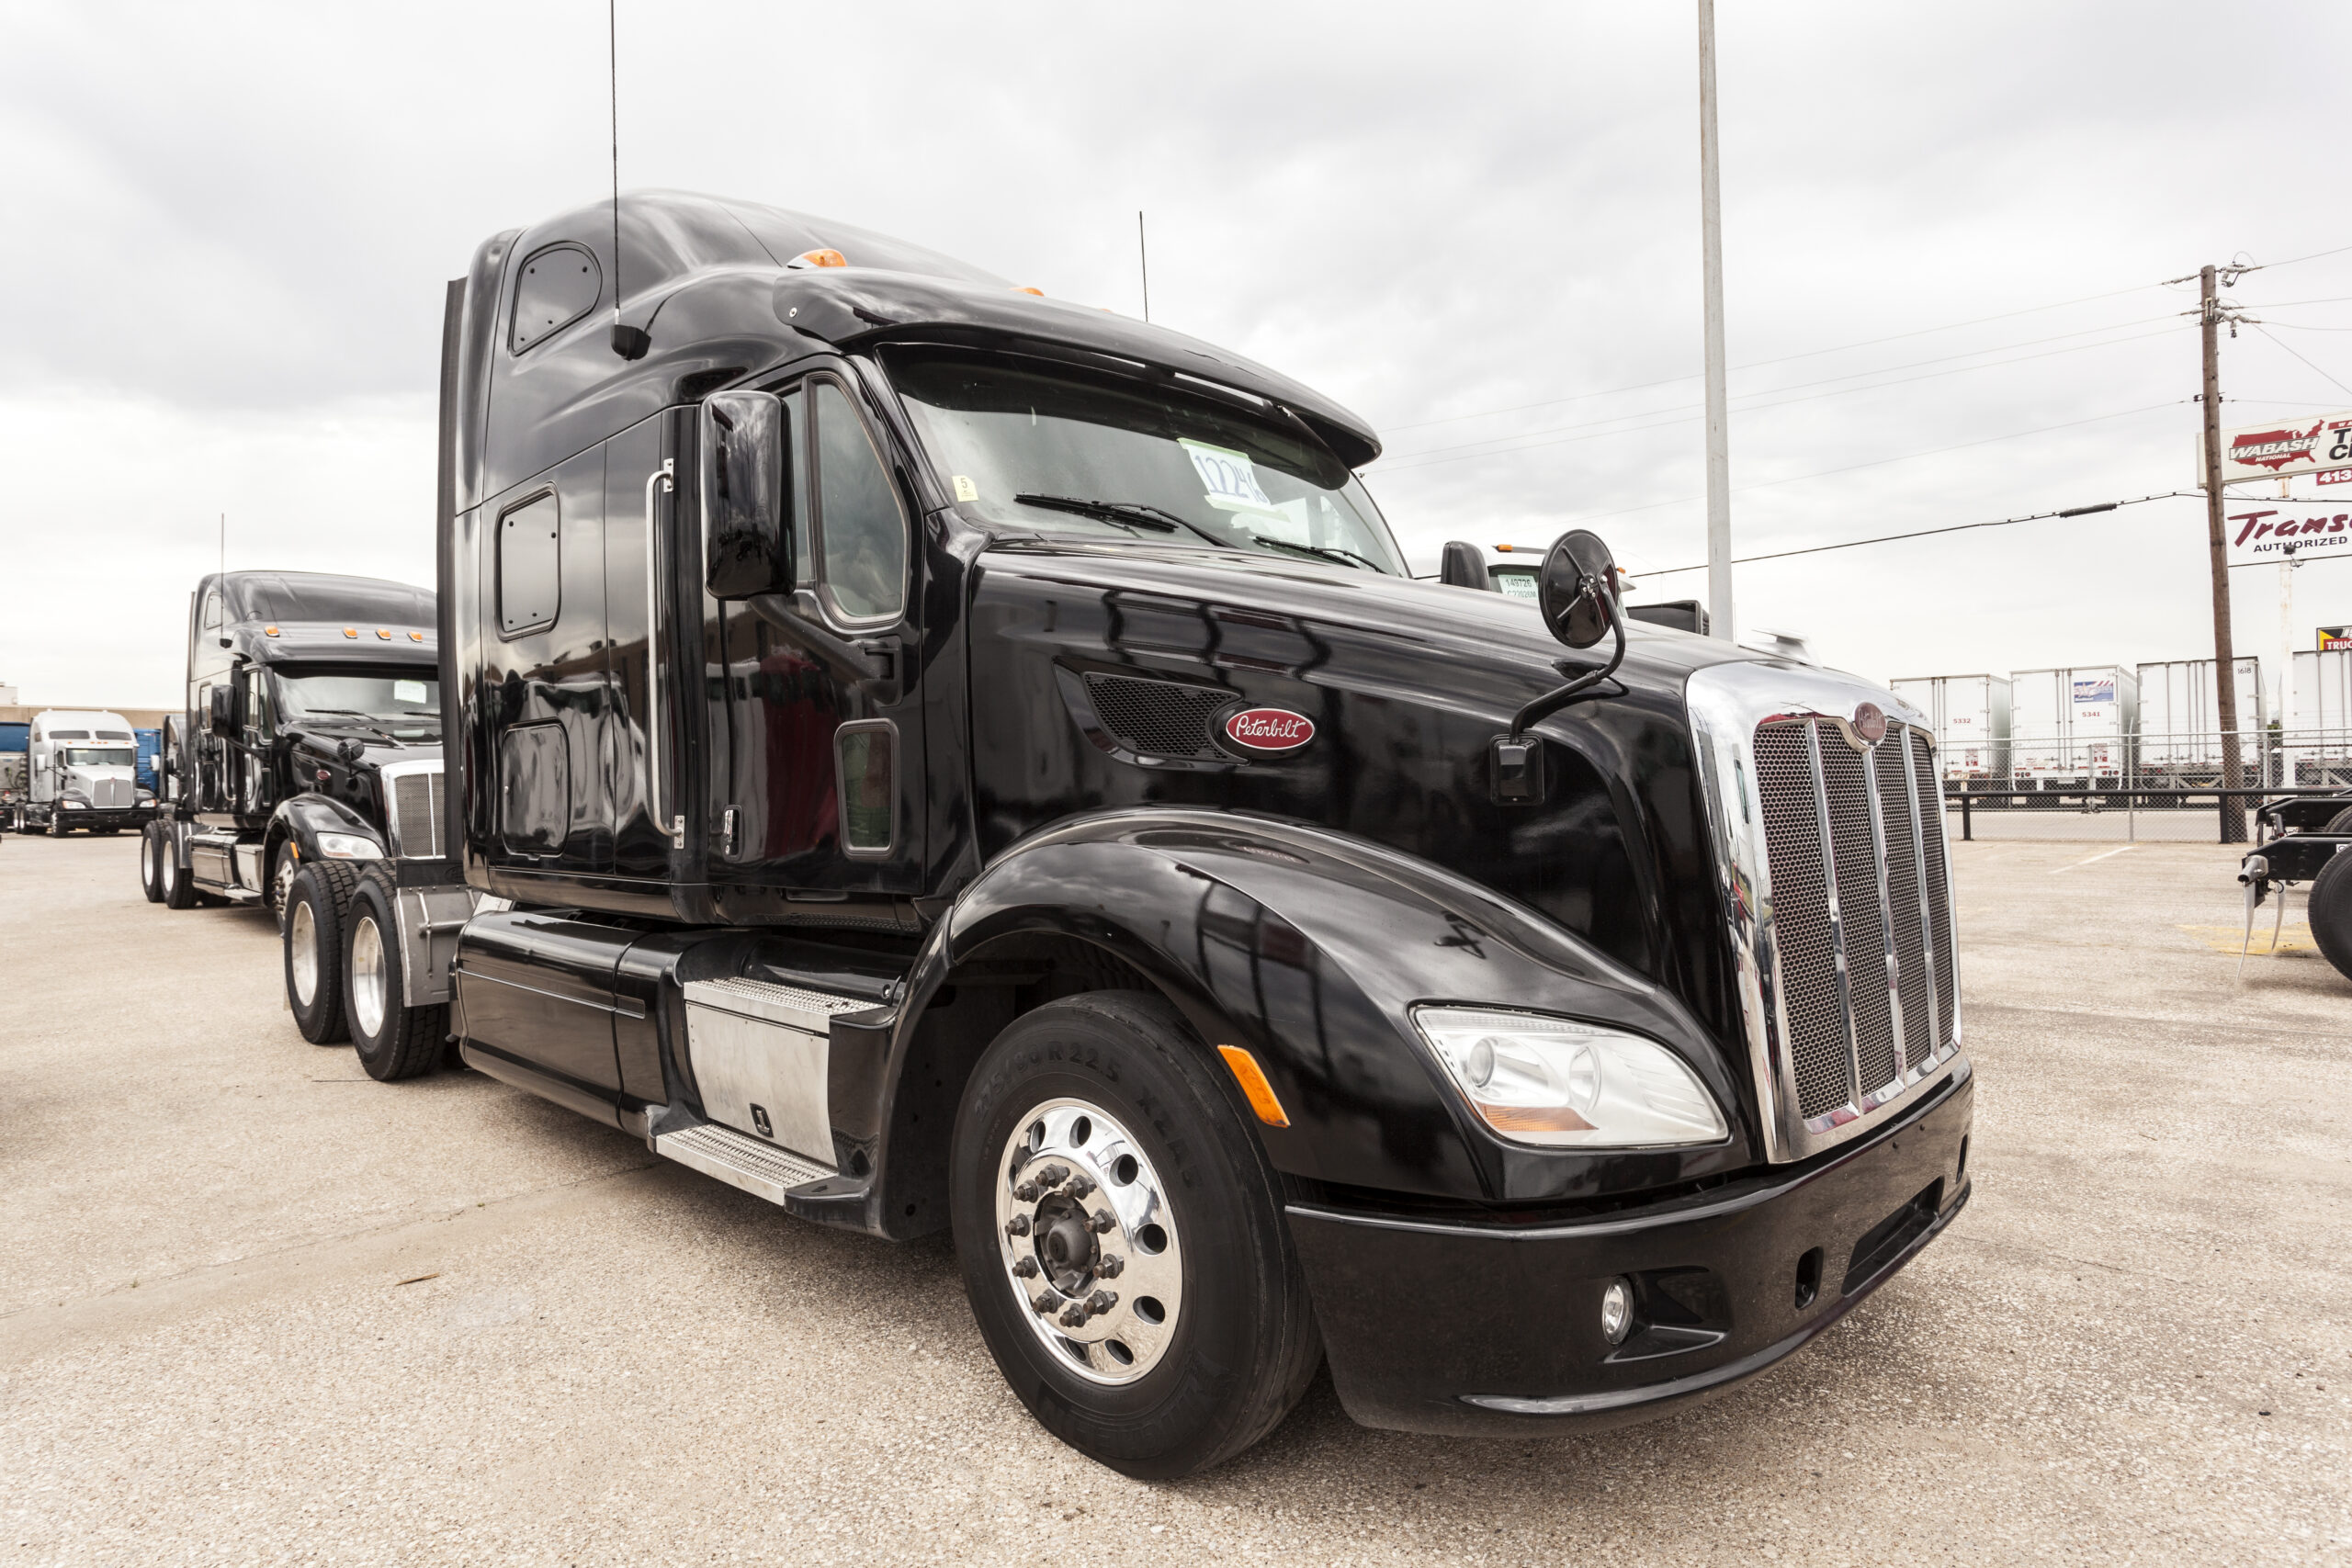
(95,756)
(405,701)
(1033,445)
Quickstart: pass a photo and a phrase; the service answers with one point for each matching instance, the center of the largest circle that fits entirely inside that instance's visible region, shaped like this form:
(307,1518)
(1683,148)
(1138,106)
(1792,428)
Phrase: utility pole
(2226,686)
(1711,223)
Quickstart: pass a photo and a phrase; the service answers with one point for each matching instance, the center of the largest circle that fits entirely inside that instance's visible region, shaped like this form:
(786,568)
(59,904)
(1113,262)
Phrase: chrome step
(739,1160)
(791,1006)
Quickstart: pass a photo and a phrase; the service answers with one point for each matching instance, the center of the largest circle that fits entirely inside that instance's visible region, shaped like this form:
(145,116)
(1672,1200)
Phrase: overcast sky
(226,229)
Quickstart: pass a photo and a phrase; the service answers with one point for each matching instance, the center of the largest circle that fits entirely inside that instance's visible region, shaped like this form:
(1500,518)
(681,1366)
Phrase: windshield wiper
(1131,514)
(1321,552)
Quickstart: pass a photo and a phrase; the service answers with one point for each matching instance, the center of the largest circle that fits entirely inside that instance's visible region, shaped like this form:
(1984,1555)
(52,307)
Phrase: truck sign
(2322,446)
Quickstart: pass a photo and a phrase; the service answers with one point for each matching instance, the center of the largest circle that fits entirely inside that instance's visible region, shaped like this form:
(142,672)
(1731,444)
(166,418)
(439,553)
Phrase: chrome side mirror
(747,495)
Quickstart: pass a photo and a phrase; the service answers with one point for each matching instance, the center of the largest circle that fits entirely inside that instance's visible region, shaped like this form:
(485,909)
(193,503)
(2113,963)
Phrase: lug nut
(1102,1222)
(1025,1268)
(1101,1302)
(1074,1316)
(1042,1304)
(1018,1224)
(1110,1265)
(1051,1177)
(1080,1185)
(1026,1192)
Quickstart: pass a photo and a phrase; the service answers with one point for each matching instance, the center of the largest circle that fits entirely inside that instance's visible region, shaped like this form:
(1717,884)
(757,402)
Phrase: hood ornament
(1870,722)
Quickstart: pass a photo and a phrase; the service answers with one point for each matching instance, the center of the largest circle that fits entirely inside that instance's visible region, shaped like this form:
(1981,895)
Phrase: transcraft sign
(2271,532)
(2322,446)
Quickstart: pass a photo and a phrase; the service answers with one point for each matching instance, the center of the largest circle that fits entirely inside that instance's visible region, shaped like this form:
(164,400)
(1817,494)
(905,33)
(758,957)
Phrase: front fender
(1309,948)
(303,817)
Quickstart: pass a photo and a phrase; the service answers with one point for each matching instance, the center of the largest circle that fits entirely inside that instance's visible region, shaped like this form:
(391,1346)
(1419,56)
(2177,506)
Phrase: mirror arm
(1550,703)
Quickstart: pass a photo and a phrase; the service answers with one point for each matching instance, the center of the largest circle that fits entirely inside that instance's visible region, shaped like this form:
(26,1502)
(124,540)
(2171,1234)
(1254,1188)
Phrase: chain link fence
(2149,787)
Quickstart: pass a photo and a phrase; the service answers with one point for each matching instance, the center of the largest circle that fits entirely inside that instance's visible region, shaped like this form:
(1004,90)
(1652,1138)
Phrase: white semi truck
(81,772)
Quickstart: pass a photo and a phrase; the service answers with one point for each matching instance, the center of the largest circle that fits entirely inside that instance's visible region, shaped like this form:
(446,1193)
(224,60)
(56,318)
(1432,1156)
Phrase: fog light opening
(1959,1171)
(1617,1311)
(1808,1278)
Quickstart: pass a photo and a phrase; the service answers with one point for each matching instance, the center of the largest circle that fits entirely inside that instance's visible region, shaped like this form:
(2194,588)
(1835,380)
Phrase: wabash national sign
(1267,731)
(2321,446)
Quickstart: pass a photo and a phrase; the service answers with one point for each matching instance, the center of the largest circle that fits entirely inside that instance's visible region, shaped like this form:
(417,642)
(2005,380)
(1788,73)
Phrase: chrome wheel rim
(147,858)
(367,975)
(169,872)
(285,889)
(302,946)
(1088,1241)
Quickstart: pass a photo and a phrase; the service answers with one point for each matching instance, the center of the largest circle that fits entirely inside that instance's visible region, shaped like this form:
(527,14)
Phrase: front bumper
(1438,1326)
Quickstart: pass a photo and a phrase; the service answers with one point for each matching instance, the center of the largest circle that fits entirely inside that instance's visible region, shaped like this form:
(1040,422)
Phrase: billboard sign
(2285,448)
(2333,638)
(2274,530)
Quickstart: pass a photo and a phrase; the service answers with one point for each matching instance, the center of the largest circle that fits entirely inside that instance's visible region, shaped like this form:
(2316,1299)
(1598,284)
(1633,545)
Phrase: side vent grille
(1157,718)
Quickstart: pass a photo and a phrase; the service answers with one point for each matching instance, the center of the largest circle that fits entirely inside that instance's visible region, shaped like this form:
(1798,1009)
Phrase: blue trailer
(151,746)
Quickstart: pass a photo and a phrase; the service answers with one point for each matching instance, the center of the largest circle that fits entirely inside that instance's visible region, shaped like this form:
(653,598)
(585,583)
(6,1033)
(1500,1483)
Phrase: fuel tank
(1121,674)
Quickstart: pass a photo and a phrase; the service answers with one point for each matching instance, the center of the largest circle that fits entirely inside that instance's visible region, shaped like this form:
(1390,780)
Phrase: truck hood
(1405,684)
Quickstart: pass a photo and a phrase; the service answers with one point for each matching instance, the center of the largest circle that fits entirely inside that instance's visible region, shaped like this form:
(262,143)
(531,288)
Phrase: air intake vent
(1157,718)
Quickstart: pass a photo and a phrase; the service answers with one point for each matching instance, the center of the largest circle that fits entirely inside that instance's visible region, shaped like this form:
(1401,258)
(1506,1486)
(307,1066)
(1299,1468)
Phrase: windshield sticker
(408,691)
(1230,478)
(966,490)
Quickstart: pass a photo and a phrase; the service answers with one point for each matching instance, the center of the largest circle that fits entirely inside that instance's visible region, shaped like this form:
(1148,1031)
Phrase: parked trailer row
(2090,726)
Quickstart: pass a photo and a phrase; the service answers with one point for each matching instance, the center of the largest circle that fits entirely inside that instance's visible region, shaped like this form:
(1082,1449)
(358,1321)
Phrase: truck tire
(314,943)
(151,862)
(2329,909)
(393,1040)
(1122,1240)
(179,889)
(2339,823)
(57,829)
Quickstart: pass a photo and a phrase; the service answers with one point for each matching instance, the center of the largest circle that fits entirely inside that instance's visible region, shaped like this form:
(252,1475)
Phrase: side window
(861,536)
(555,287)
(212,612)
(527,584)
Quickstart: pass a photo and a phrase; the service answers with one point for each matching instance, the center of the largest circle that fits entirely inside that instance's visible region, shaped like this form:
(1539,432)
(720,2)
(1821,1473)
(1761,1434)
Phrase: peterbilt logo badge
(1268,730)
(1870,722)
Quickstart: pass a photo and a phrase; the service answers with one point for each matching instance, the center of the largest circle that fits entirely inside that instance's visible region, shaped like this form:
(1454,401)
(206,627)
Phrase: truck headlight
(1565,1084)
(70,804)
(348,846)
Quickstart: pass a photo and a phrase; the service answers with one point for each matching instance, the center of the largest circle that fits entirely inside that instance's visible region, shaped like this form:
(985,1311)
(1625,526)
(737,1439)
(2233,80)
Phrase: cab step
(761,1169)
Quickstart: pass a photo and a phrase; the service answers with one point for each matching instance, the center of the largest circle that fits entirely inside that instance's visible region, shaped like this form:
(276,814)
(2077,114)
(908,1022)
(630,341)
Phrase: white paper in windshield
(1230,478)
(408,691)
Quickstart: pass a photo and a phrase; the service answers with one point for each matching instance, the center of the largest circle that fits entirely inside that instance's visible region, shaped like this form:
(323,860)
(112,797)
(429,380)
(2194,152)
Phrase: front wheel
(57,829)
(394,1041)
(314,943)
(1120,1239)
(2329,909)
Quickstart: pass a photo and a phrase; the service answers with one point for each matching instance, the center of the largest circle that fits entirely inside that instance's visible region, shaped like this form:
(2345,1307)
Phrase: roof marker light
(416,637)
(349,632)
(383,635)
(269,631)
(818,258)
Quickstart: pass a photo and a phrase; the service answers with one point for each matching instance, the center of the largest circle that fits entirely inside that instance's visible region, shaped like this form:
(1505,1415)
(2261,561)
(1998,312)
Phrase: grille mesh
(1800,915)
(1939,900)
(1842,1042)
(1903,901)
(417,815)
(1157,719)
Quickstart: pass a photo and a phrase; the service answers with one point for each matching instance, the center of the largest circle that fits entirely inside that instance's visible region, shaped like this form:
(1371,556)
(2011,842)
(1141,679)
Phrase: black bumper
(1435,1326)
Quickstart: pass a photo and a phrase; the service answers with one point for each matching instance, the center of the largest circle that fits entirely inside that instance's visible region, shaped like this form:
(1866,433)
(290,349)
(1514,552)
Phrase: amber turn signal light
(349,631)
(818,258)
(1254,1086)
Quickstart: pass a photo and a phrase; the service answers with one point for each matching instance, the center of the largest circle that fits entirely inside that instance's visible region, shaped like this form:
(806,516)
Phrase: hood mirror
(1578,590)
(1464,564)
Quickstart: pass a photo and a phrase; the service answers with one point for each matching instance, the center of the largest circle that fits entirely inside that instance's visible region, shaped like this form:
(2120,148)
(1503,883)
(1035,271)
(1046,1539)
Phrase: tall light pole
(1710,221)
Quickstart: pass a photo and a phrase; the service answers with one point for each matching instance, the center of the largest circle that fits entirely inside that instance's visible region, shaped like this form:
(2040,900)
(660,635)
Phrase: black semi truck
(934,757)
(311,738)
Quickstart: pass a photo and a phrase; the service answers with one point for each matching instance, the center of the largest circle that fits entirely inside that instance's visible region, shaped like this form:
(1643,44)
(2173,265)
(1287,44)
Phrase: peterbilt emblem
(1268,730)
(1870,722)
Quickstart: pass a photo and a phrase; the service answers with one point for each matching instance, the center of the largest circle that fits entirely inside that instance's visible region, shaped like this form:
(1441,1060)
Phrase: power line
(1880,462)
(1783,359)
(1927,533)
(1683,416)
(2258,326)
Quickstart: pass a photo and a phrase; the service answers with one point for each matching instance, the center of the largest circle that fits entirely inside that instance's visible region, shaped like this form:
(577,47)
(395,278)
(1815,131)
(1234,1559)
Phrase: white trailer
(2180,717)
(2073,727)
(2318,732)
(1970,716)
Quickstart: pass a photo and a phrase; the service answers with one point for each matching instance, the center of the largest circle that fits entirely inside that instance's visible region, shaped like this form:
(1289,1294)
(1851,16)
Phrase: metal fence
(2155,787)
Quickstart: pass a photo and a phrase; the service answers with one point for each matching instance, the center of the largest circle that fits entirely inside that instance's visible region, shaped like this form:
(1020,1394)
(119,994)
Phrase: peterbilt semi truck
(934,756)
(311,737)
(80,775)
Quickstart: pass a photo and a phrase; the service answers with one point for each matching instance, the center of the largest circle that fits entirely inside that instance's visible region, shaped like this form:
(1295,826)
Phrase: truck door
(548,694)
(824,730)
(642,756)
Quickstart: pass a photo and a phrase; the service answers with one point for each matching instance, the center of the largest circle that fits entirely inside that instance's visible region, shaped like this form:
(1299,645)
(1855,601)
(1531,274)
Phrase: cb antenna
(629,342)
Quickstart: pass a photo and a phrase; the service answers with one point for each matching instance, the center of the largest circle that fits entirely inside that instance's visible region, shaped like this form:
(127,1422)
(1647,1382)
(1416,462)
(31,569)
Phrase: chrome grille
(1852,837)
(417,814)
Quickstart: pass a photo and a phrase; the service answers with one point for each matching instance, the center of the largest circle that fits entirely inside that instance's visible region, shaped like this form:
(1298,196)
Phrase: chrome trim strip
(665,478)
(625,1007)
(1837,960)
(1892,960)
(1929,946)
(1726,703)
